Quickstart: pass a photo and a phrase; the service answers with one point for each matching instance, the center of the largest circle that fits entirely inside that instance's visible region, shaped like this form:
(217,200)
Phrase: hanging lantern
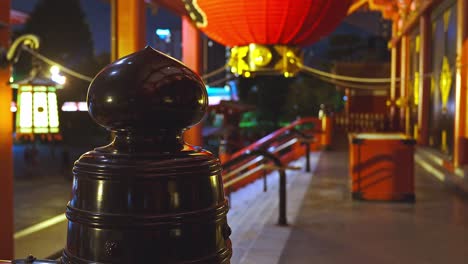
(266,35)
(37,111)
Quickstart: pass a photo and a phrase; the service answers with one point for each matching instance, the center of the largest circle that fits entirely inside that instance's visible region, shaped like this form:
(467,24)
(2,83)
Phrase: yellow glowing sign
(265,59)
(237,62)
(260,55)
(416,88)
(445,82)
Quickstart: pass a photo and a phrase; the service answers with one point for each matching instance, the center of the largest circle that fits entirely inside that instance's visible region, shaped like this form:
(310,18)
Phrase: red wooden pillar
(128,27)
(191,56)
(394,92)
(460,137)
(6,145)
(425,79)
(404,74)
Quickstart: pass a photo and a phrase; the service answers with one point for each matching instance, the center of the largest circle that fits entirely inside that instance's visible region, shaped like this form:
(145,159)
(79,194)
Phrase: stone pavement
(332,228)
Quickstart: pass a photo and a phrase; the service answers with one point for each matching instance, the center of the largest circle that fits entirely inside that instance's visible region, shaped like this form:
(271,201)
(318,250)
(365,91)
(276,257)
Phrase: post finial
(147,90)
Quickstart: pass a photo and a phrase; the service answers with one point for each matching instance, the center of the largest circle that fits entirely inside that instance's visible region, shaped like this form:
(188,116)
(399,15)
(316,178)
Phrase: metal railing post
(282,221)
(307,147)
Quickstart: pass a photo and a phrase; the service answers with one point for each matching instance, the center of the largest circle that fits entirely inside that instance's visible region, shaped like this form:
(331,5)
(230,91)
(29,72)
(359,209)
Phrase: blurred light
(60,79)
(13,107)
(214,100)
(75,106)
(40,115)
(69,107)
(12,79)
(82,106)
(345,98)
(164,34)
(53,111)
(56,76)
(25,113)
(55,70)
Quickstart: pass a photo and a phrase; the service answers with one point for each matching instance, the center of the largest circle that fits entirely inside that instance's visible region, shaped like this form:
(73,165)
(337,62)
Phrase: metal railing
(264,155)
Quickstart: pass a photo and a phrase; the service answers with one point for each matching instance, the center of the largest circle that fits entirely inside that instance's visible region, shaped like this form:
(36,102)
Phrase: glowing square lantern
(37,111)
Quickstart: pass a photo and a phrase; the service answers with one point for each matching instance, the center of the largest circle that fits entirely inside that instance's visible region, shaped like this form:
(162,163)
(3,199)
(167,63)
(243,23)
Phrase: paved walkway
(332,228)
(325,225)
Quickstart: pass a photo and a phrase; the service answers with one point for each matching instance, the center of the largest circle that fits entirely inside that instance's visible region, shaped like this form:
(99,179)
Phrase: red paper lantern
(267,22)
(265,35)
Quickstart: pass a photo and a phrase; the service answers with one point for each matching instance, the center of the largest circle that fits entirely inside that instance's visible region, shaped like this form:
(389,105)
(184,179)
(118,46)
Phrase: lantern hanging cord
(215,72)
(345,78)
(220,81)
(353,84)
(62,68)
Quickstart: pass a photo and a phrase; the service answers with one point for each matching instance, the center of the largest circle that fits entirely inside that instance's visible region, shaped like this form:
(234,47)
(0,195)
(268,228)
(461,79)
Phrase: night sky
(98,16)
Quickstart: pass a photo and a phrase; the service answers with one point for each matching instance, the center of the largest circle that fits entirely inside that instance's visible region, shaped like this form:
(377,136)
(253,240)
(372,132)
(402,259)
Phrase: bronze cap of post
(147,197)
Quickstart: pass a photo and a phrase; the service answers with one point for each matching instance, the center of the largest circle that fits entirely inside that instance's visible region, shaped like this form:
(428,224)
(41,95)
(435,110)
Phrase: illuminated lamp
(266,36)
(37,111)
(218,94)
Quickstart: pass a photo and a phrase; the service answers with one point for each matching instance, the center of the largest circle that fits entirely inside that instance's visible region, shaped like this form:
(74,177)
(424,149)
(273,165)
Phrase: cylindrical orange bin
(382,166)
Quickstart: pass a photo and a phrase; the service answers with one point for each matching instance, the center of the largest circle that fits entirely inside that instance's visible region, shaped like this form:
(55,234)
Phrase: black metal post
(307,149)
(147,197)
(282,221)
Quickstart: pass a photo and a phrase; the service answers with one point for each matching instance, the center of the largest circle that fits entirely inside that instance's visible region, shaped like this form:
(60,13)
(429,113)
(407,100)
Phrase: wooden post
(394,92)
(6,145)
(404,109)
(425,80)
(192,58)
(128,24)
(460,137)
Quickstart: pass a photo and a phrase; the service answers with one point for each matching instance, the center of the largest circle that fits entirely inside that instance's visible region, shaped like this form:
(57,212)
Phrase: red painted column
(6,145)
(394,91)
(128,27)
(404,74)
(425,78)
(460,137)
(191,56)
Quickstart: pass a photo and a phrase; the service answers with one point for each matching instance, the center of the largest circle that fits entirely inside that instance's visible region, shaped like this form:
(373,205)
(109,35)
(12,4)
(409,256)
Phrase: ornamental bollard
(147,197)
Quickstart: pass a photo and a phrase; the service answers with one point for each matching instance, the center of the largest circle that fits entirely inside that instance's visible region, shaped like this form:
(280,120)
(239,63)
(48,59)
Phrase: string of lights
(215,72)
(89,79)
(214,83)
(343,77)
(61,67)
(325,76)
(353,84)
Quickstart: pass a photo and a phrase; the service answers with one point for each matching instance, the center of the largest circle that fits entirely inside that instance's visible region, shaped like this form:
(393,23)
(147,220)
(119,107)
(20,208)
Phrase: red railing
(285,143)
(361,122)
(315,131)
